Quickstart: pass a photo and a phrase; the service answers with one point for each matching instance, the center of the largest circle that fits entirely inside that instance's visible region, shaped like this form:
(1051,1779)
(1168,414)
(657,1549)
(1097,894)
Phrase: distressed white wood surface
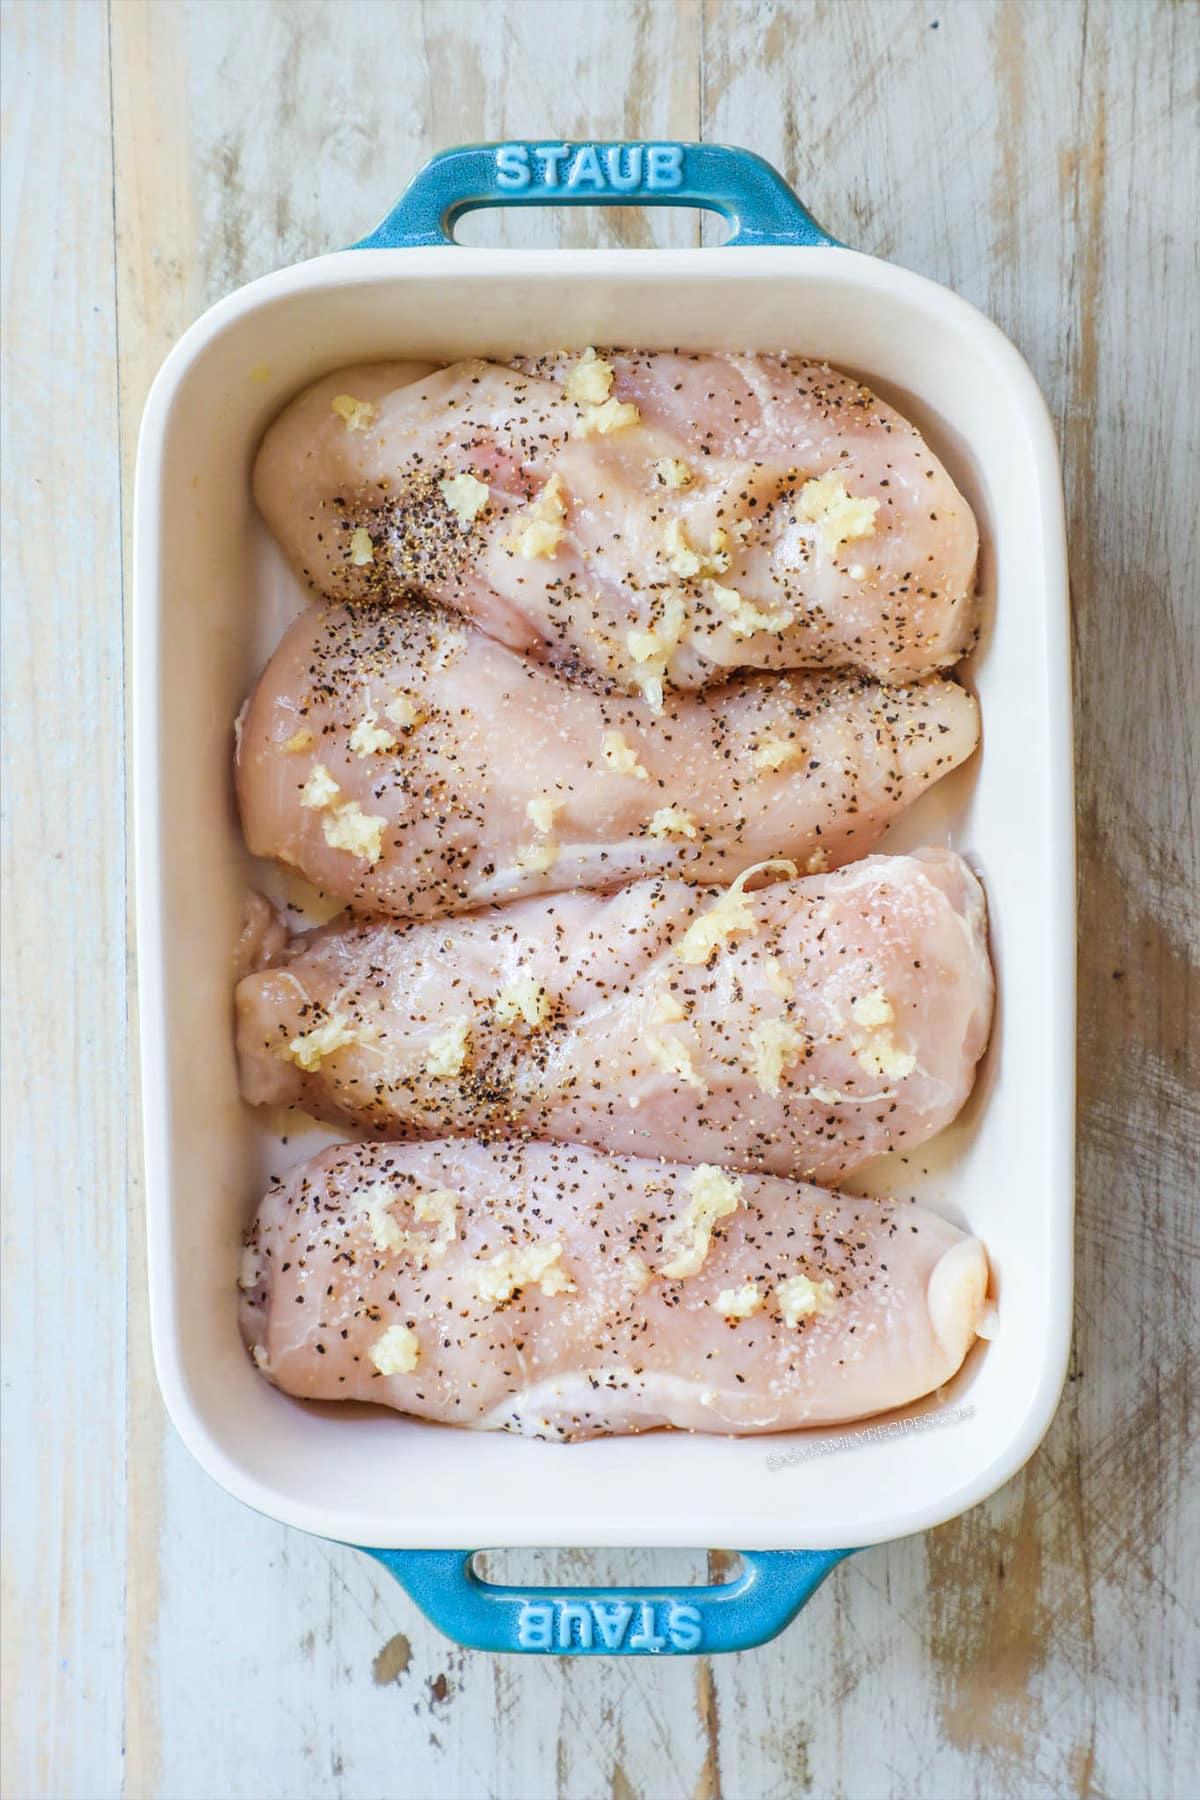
(160,1640)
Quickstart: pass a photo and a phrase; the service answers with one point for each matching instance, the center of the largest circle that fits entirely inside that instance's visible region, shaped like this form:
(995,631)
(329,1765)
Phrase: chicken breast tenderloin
(412,766)
(661,519)
(562,1294)
(801,1030)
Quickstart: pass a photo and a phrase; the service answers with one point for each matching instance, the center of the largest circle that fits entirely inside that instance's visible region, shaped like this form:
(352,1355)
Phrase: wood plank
(1034,1646)
(65,1147)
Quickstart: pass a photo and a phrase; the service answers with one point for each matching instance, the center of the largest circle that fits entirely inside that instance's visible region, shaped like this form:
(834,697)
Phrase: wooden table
(160,1639)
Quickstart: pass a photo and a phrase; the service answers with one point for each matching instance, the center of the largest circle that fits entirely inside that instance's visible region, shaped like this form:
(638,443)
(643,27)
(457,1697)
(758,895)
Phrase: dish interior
(213,598)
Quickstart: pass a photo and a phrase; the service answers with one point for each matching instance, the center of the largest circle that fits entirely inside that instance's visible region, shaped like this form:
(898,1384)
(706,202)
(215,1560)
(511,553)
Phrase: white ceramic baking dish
(211,597)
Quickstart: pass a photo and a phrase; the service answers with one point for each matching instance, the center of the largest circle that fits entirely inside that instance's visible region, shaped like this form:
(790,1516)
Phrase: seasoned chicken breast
(660,519)
(412,766)
(801,1029)
(562,1294)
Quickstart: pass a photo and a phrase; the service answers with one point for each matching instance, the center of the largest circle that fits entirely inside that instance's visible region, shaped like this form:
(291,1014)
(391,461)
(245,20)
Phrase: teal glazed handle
(744,189)
(617,1621)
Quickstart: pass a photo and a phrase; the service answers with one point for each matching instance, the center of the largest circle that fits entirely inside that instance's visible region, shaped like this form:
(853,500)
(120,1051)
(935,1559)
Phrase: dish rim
(362,267)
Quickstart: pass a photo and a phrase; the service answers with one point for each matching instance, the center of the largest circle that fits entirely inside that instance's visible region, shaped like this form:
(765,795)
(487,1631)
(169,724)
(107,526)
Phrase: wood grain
(1041,158)
(66,1146)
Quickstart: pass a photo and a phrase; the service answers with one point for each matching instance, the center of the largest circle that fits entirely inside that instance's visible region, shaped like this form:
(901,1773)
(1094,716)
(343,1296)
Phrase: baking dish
(211,598)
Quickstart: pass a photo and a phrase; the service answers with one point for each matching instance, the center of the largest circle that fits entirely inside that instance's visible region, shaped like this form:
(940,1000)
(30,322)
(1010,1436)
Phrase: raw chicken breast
(413,766)
(554,1292)
(802,1029)
(661,519)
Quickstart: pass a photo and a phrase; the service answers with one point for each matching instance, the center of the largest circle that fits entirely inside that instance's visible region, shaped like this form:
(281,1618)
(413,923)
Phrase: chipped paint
(392,1661)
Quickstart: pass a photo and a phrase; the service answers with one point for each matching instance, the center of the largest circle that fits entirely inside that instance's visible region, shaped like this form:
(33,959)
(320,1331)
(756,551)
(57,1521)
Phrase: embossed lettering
(622,181)
(570,1614)
(685,1626)
(535,1626)
(664,165)
(612,1621)
(512,166)
(645,1637)
(585,168)
(551,156)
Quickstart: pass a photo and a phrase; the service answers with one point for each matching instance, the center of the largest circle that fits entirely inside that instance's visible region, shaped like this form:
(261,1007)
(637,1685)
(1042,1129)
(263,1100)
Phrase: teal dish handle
(616,1621)
(754,197)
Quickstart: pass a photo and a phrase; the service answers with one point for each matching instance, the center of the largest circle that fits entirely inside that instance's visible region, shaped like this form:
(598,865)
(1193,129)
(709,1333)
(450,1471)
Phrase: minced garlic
(714,1195)
(499,1278)
(535,859)
(882,1056)
(635,1275)
(369,738)
(671,821)
(775,1043)
(447,1053)
(348,827)
(667,1009)
(249,1268)
(674,1058)
(772,753)
(465,495)
(310,1048)
(299,740)
(652,647)
(345,826)
(872,1009)
(730,914)
(681,558)
(540,528)
(879,1053)
(431,1206)
(687,562)
(589,380)
(388,1237)
(743,618)
(671,473)
(402,711)
(362,547)
(775,978)
(542,811)
(839,518)
(397,1352)
(539,538)
(437,1206)
(522,998)
(740,1302)
(320,790)
(799,1298)
(355,415)
(614,415)
(817,863)
(621,756)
